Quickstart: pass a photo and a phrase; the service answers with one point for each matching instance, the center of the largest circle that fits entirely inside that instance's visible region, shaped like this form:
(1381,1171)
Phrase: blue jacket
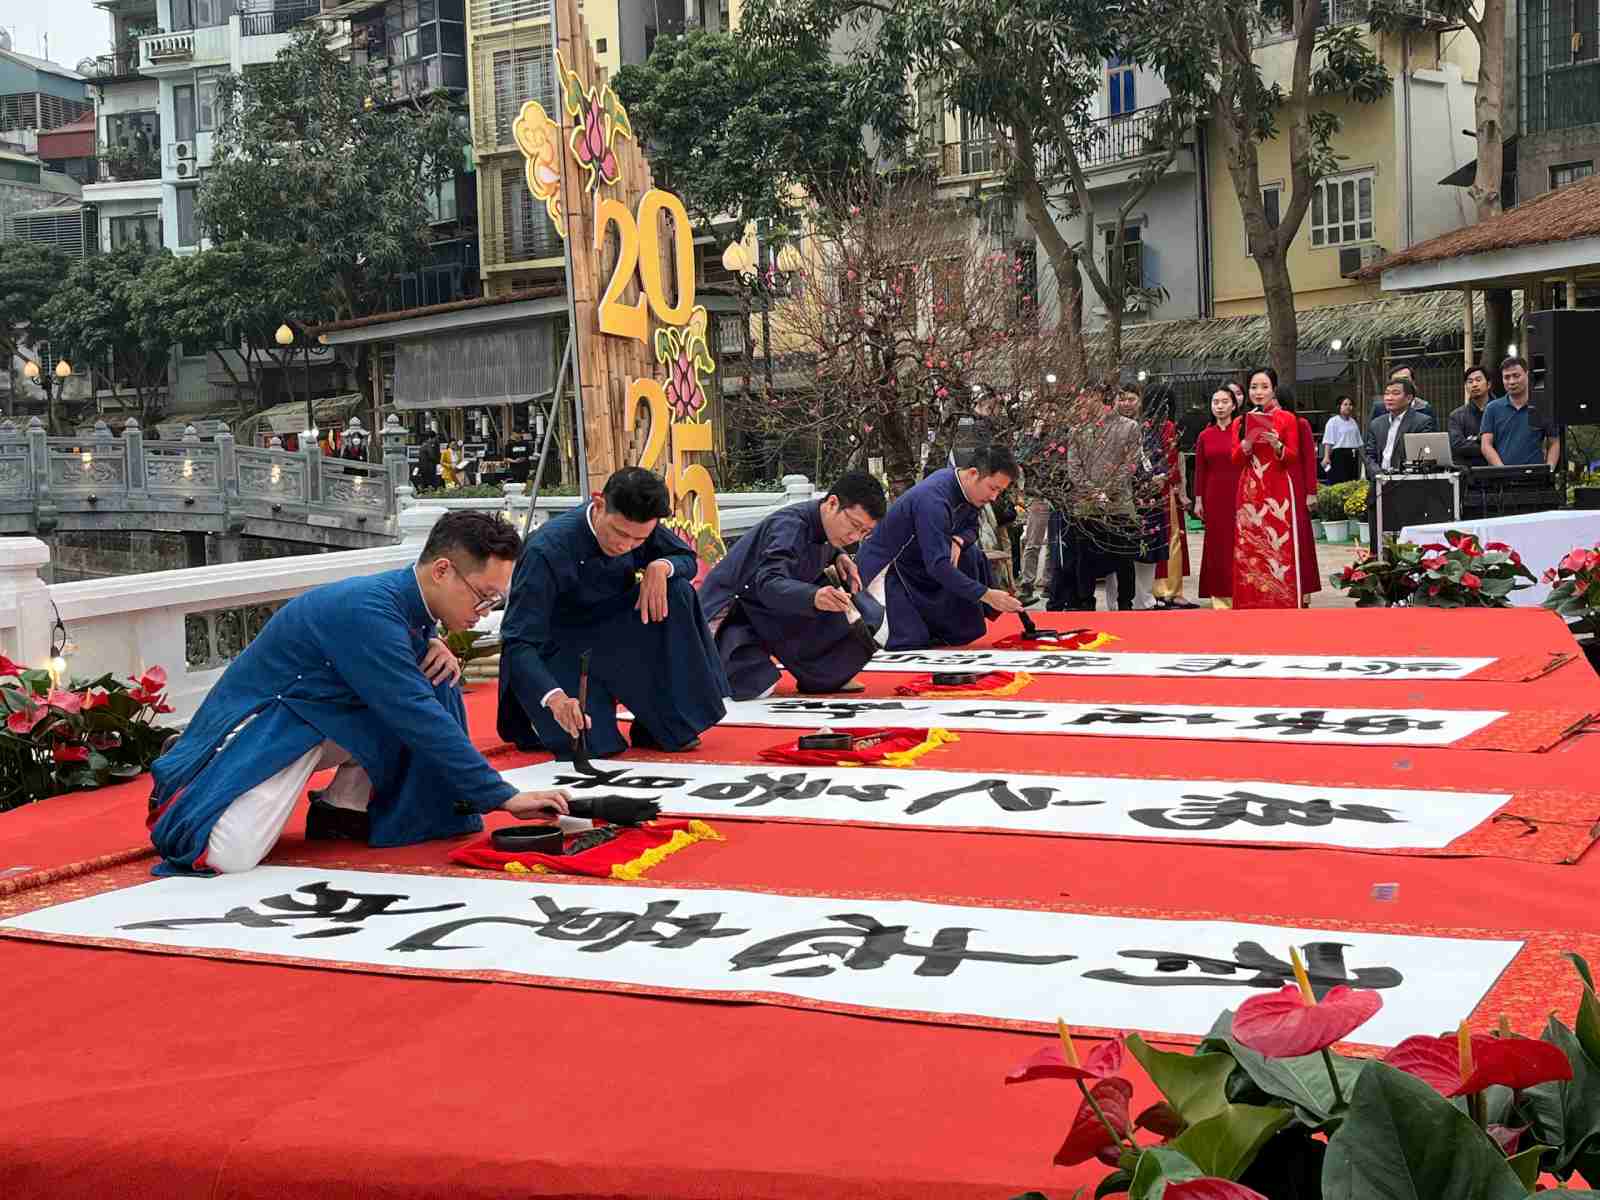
(780,561)
(339,663)
(915,536)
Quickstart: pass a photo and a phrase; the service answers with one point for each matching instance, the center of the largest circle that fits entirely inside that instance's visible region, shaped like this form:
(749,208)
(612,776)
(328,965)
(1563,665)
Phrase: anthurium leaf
(1582,964)
(1303,1081)
(1158,1166)
(1401,1140)
(1225,1145)
(1115,1184)
(1192,1083)
(1526,1165)
(1565,1113)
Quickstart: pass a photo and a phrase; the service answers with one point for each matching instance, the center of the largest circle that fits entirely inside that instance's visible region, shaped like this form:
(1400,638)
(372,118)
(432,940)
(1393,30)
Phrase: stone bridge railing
(111,481)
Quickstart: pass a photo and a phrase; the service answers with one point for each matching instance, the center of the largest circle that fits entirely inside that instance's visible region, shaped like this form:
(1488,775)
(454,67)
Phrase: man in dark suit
(1386,441)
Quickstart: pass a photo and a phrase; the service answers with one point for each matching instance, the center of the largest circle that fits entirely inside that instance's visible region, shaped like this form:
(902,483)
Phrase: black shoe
(642,739)
(325,823)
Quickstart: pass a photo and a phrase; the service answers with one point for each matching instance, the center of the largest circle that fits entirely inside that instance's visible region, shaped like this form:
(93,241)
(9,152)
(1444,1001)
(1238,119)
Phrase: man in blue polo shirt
(1513,435)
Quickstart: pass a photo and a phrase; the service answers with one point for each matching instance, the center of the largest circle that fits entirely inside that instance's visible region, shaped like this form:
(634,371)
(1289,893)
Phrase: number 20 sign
(680,344)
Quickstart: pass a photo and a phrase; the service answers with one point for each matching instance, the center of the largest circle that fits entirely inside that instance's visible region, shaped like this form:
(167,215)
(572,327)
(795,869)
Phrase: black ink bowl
(954,678)
(527,839)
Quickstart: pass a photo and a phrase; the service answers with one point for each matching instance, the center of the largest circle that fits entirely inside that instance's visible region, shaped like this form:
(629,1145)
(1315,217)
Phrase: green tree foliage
(1207,49)
(90,321)
(309,158)
(231,298)
(742,131)
(1030,71)
(29,274)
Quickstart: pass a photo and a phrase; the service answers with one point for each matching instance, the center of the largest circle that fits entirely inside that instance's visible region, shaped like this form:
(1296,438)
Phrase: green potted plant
(1335,525)
(1355,509)
(1575,596)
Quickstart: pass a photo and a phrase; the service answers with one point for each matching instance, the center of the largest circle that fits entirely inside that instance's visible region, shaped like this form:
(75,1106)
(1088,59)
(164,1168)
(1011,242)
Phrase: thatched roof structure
(1362,328)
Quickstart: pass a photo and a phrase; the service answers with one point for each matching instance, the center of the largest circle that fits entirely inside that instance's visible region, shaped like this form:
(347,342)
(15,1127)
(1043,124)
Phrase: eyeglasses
(486,600)
(858,527)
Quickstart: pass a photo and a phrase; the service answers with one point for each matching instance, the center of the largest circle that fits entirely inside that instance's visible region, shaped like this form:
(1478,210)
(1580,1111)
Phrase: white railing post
(416,522)
(798,487)
(517,501)
(26,616)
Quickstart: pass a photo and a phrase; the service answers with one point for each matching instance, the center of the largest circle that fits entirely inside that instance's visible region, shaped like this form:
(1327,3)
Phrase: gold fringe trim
(635,868)
(1021,680)
(905,758)
(1100,639)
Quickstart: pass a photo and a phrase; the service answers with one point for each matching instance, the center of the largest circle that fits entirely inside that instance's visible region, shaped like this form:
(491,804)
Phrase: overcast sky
(77,29)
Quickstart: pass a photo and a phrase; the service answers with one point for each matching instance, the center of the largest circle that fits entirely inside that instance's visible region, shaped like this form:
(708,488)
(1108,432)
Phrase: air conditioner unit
(183,149)
(1353,258)
(186,170)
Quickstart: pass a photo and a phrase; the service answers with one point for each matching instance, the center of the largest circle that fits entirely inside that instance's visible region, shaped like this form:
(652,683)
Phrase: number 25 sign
(680,341)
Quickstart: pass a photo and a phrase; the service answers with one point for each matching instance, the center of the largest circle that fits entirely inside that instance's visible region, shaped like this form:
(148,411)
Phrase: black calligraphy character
(875,945)
(1201,812)
(841,710)
(327,904)
(619,778)
(1003,714)
(600,931)
(1024,799)
(1206,665)
(1324,965)
(793,786)
(1315,720)
(1377,667)
(1046,662)
(867,793)
(1143,716)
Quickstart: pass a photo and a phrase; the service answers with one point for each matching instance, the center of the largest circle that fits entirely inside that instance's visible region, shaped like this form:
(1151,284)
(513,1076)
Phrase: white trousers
(252,824)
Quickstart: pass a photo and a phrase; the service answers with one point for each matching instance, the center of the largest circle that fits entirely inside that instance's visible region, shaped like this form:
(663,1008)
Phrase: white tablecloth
(1542,538)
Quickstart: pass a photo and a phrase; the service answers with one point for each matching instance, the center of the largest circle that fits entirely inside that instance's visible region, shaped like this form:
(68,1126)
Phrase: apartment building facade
(1557,97)
(1386,193)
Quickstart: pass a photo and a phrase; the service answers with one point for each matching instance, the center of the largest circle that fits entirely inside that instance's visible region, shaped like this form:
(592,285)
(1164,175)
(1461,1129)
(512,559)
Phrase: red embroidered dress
(1266,553)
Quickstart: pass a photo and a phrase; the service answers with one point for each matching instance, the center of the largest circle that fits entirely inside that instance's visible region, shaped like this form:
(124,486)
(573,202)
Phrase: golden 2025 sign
(677,406)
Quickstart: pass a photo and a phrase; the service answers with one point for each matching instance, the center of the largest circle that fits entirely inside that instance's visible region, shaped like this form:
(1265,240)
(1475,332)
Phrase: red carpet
(140,1074)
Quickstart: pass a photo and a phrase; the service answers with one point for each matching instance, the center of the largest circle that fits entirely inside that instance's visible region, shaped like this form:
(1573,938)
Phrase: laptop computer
(1430,448)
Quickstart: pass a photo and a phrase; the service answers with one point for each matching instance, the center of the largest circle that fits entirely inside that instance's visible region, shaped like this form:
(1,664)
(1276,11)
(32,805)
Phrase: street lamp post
(286,337)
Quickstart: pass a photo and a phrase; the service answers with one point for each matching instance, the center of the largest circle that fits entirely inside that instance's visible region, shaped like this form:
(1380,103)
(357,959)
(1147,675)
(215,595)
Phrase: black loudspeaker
(1563,354)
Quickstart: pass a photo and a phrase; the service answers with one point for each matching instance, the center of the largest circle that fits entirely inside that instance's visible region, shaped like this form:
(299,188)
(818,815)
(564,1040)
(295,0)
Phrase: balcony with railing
(115,165)
(266,19)
(115,66)
(1111,141)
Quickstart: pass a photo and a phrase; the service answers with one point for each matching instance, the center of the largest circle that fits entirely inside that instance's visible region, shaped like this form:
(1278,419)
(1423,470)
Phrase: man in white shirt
(1341,444)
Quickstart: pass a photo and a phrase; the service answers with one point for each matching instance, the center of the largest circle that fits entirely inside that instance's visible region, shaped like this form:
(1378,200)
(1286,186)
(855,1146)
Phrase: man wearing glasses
(351,675)
(770,599)
(605,579)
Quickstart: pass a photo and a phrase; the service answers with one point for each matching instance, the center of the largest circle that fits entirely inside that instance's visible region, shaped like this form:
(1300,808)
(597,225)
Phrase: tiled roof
(1558,216)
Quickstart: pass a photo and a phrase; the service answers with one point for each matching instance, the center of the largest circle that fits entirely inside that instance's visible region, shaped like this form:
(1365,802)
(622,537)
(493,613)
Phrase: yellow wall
(1370,139)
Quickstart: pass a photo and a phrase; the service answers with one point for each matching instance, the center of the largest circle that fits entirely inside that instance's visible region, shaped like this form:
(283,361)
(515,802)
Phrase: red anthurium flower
(1433,562)
(1435,546)
(1088,1138)
(1060,1060)
(1549,576)
(95,698)
(1576,560)
(1497,546)
(1455,1066)
(1471,581)
(7,667)
(154,679)
(1211,1189)
(67,702)
(1292,1021)
(65,753)
(23,720)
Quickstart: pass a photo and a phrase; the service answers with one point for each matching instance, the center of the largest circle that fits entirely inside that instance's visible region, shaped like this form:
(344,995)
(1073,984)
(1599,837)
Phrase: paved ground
(1329,559)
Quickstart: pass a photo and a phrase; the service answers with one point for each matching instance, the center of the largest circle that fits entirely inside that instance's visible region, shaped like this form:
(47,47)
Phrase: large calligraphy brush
(580,743)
